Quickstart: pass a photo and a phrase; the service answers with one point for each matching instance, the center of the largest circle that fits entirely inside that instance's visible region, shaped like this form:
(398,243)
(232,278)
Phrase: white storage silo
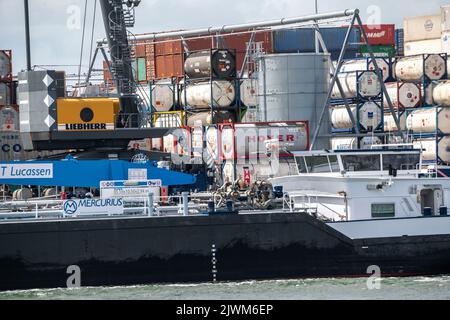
(294,87)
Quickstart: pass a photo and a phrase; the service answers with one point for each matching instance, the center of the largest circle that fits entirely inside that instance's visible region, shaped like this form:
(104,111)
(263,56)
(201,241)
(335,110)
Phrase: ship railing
(300,202)
(146,205)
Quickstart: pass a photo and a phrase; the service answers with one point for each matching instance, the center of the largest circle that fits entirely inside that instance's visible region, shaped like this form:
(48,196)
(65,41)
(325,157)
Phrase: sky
(56,25)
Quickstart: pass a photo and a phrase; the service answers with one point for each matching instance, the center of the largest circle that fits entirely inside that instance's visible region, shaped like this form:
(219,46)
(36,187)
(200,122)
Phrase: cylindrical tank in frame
(256,140)
(249,92)
(434,149)
(198,95)
(22,194)
(364,65)
(441,93)
(5,64)
(366,82)
(5,94)
(340,118)
(9,119)
(413,68)
(217,63)
(369,115)
(164,95)
(294,87)
(429,120)
(389,122)
(403,95)
(206,118)
(351,143)
(260,171)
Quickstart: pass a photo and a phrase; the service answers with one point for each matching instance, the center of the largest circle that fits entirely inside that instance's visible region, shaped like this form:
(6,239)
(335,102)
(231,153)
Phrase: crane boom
(117,16)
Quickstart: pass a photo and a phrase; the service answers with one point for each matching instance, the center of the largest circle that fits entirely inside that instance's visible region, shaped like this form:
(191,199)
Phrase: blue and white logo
(70,207)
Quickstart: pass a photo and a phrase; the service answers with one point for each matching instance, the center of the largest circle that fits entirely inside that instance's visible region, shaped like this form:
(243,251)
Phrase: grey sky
(54,43)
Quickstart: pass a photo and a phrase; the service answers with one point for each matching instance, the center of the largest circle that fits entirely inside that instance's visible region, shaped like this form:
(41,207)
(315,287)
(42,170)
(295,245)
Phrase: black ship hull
(130,251)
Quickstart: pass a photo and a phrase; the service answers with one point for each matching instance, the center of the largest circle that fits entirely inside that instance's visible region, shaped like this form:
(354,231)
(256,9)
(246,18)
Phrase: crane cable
(82,42)
(92,34)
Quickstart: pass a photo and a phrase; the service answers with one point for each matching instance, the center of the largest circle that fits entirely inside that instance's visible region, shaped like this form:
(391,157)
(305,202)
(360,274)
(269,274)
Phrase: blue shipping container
(302,40)
(400,42)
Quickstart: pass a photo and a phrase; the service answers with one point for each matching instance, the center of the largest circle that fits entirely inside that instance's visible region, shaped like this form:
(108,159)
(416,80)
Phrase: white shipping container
(445,42)
(422,28)
(423,47)
(445,18)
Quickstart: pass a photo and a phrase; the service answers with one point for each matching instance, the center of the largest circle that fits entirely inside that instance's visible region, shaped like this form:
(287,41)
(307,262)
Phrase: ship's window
(361,162)
(401,161)
(334,164)
(301,165)
(383,210)
(318,164)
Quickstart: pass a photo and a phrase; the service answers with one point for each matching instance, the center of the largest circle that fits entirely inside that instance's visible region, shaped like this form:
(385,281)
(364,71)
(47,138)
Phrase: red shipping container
(139,50)
(383,34)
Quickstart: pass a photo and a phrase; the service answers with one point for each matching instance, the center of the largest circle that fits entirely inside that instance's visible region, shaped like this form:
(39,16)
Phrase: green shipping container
(141,70)
(379,51)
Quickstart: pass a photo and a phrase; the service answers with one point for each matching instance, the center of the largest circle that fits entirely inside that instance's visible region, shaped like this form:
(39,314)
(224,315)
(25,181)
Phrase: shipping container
(445,18)
(445,42)
(302,40)
(383,34)
(141,69)
(165,58)
(422,28)
(423,47)
(379,51)
(400,42)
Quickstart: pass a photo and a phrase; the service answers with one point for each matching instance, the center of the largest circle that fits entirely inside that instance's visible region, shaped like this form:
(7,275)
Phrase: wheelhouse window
(408,161)
(301,165)
(334,164)
(383,210)
(361,162)
(317,164)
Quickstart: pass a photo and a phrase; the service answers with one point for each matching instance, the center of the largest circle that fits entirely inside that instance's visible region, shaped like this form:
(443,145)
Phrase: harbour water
(423,288)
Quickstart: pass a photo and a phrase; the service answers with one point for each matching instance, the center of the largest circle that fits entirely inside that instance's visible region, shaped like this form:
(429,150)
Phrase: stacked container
(381,39)
(427,124)
(422,35)
(302,41)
